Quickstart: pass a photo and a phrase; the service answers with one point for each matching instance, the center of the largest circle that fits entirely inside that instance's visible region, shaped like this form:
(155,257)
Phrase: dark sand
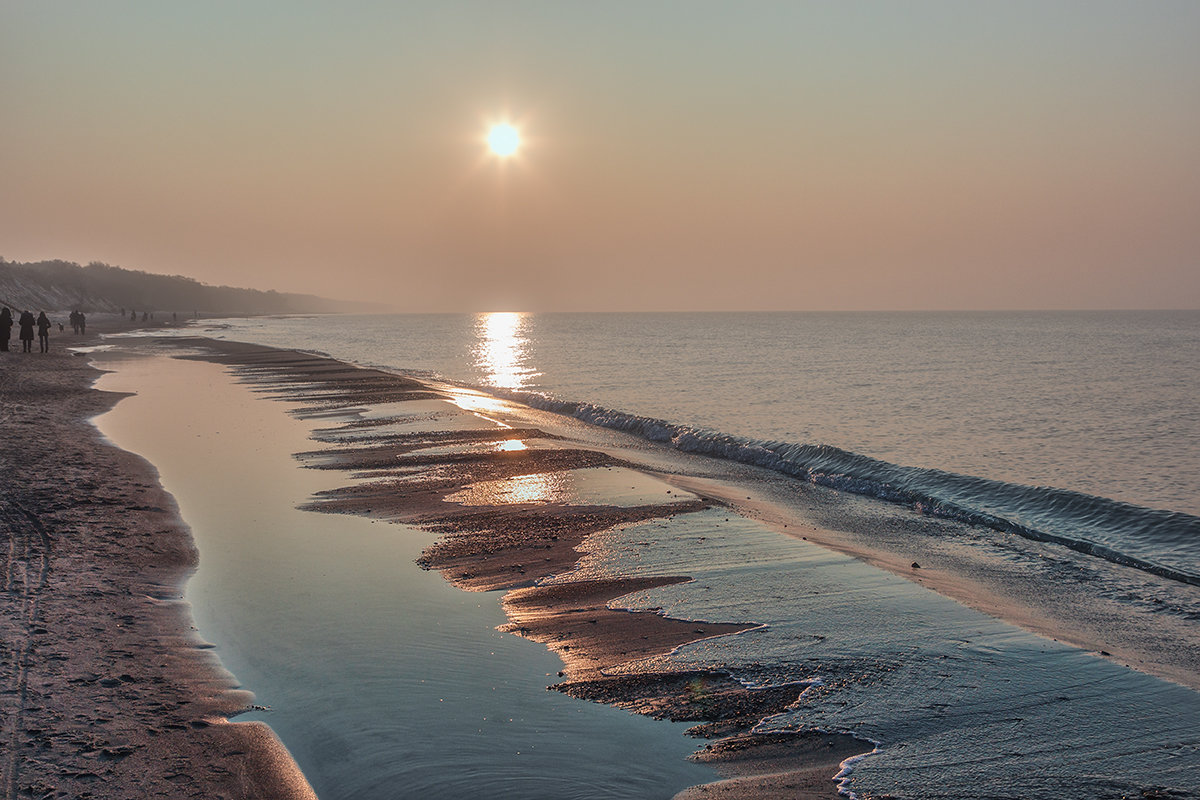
(107,692)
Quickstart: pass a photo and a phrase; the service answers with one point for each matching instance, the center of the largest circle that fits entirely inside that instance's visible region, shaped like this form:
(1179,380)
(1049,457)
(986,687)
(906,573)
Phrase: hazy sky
(675,155)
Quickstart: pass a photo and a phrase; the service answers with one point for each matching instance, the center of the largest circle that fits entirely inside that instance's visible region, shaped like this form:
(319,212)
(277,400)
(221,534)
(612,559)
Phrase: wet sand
(107,691)
(420,478)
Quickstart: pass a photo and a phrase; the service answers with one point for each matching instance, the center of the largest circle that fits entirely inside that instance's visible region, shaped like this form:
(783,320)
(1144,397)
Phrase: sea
(1073,431)
(1081,428)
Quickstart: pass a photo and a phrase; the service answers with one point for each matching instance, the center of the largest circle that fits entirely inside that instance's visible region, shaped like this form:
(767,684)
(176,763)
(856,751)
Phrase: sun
(503,139)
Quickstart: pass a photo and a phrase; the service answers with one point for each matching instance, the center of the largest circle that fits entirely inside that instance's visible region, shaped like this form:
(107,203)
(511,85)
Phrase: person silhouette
(82,323)
(43,326)
(6,323)
(26,322)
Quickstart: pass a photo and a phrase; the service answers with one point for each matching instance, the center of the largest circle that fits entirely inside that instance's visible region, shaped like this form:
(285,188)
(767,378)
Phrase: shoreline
(434,475)
(108,692)
(486,546)
(501,545)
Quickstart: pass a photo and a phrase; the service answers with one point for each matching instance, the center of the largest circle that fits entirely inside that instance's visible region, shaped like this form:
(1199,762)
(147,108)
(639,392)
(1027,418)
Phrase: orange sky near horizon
(773,155)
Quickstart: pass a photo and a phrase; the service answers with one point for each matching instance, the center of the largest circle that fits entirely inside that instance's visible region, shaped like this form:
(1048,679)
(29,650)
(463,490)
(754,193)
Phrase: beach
(577,401)
(112,692)
(472,489)
(537,507)
(108,690)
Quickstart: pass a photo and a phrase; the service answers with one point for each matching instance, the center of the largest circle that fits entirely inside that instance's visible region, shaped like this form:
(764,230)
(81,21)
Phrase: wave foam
(1165,543)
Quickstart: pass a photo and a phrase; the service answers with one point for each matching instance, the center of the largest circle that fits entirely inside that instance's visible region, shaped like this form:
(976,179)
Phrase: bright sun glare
(503,139)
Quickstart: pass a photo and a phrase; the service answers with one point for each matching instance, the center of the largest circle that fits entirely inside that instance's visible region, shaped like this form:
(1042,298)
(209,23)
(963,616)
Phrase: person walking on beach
(26,322)
(43,326)
(6,323)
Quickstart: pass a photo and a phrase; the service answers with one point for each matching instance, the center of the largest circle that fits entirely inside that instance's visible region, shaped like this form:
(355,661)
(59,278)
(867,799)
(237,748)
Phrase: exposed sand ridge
(513,545)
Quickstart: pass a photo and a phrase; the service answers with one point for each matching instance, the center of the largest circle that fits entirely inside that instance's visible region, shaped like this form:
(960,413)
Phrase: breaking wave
(1165,543)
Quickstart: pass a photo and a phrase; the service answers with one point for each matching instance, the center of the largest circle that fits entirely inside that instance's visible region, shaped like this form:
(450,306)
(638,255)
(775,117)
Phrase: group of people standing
(25,323)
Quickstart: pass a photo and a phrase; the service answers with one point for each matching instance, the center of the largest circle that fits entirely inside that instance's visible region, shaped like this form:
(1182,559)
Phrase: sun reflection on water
(477,401)
(544,487)
(502,349)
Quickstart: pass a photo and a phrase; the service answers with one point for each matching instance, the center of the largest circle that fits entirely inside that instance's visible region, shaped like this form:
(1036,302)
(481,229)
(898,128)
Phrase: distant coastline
(63,285)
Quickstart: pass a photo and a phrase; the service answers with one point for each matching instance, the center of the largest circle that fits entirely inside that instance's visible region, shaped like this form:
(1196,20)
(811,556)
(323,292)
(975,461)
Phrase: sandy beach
(111,693)
(578,401)
(108,691)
